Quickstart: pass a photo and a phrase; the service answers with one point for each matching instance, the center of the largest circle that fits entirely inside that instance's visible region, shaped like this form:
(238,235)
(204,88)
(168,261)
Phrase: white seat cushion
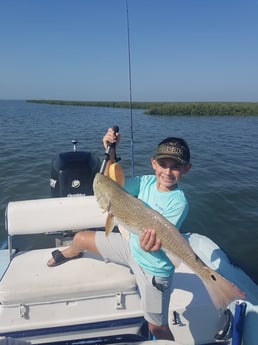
(29,279)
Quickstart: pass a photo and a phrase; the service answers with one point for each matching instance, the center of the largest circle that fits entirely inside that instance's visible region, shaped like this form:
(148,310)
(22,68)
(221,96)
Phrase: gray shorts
(154,291)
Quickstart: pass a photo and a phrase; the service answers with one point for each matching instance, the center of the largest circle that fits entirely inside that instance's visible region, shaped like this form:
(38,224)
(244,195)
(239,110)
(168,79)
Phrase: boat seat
(29,279)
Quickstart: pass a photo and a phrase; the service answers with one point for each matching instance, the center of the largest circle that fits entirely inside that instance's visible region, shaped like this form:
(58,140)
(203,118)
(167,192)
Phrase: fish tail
(222,291)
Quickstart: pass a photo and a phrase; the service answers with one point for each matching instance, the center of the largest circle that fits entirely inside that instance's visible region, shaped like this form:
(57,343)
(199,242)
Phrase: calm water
(221,187)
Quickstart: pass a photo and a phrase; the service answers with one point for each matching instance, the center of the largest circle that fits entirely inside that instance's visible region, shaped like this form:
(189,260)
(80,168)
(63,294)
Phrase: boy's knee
(82,239)
(85,240)
(78,237)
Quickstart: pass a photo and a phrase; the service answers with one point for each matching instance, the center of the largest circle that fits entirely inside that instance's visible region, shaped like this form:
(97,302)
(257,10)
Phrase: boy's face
(168,172)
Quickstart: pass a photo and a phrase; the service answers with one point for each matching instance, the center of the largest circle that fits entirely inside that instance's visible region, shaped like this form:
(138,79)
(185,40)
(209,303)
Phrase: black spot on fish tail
(213,277)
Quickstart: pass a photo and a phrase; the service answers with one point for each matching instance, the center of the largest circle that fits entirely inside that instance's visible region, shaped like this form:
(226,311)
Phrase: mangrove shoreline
(170,108)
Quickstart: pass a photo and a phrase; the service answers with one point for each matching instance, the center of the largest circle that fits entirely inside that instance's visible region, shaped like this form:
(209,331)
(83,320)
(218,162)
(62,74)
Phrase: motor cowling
(72,173)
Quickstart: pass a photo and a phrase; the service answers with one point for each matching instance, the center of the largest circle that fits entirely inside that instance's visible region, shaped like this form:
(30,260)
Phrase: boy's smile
(168,172)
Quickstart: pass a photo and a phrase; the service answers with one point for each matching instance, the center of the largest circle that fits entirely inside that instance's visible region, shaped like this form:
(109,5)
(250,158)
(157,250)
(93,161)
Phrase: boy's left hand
(149,241)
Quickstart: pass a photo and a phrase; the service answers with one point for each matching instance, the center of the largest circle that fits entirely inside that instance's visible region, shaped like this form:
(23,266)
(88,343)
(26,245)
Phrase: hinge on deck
(119,300)
(24,312)
(177,319)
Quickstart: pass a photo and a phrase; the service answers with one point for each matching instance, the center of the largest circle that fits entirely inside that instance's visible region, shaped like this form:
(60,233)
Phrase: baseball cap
(175,148)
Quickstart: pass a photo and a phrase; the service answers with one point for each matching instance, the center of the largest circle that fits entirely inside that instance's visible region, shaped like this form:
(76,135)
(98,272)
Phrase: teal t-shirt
(172,205)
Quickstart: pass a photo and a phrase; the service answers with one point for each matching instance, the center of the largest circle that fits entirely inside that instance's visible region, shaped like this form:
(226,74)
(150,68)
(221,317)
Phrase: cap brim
(159,156)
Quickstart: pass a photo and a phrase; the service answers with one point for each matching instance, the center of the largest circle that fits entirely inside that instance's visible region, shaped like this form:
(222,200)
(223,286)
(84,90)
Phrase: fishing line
(130,87)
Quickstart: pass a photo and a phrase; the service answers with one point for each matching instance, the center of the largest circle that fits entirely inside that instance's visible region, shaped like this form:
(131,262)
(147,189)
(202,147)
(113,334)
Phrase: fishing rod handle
(116,130)
(107,152)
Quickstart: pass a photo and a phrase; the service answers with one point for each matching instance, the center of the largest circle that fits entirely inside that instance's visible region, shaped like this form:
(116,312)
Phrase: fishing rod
(110,147)
(130,87)
(115,171)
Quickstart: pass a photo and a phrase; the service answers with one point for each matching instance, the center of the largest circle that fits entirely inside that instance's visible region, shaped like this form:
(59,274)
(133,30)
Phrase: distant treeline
(172,108)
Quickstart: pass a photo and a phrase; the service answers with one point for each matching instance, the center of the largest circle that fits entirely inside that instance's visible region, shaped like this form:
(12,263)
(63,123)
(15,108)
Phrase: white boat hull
(82,297)
(87,298)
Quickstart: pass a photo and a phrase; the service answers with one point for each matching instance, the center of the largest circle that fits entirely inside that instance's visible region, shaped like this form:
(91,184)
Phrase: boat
(88,301)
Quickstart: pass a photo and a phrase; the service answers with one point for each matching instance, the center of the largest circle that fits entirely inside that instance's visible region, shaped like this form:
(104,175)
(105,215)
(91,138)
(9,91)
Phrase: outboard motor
(72,173)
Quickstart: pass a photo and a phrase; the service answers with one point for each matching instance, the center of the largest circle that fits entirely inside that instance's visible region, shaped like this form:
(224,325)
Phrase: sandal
(60,259)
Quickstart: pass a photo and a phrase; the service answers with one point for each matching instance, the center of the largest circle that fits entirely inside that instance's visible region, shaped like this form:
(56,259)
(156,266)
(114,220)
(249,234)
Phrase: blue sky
(181,50)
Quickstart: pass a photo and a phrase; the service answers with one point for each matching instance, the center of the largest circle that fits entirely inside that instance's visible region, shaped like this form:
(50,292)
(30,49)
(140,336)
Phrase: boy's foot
(58,258)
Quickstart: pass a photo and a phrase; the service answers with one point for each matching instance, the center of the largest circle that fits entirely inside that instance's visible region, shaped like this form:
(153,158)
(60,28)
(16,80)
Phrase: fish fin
(109,224)
(123,232)
(222,291)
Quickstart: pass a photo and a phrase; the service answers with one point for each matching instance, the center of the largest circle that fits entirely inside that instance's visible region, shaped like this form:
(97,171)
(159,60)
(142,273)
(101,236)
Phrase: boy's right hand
(111,137)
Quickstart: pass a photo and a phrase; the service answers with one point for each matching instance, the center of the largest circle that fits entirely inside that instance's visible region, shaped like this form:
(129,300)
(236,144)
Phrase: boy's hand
(111,137)
(149,241)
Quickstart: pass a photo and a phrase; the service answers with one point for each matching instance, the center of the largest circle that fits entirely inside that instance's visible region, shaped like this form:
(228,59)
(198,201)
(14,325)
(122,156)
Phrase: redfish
(134,216)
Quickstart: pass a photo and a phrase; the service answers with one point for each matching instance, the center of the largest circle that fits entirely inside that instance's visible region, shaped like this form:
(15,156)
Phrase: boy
(152,268)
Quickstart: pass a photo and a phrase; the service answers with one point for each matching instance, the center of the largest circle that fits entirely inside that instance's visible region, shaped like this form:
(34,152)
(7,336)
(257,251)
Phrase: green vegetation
(204,108)
(171,108)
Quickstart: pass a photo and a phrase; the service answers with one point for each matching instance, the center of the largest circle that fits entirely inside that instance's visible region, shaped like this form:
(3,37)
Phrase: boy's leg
(155,292)
(155,297)
(116,249)
(112,248)
(157,316)
(83,240)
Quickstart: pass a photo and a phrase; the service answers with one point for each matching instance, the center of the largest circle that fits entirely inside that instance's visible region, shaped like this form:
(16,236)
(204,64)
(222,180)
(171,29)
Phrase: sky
(180,50)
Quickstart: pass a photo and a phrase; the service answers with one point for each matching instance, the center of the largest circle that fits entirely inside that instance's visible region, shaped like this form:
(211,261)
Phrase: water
(221,187)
